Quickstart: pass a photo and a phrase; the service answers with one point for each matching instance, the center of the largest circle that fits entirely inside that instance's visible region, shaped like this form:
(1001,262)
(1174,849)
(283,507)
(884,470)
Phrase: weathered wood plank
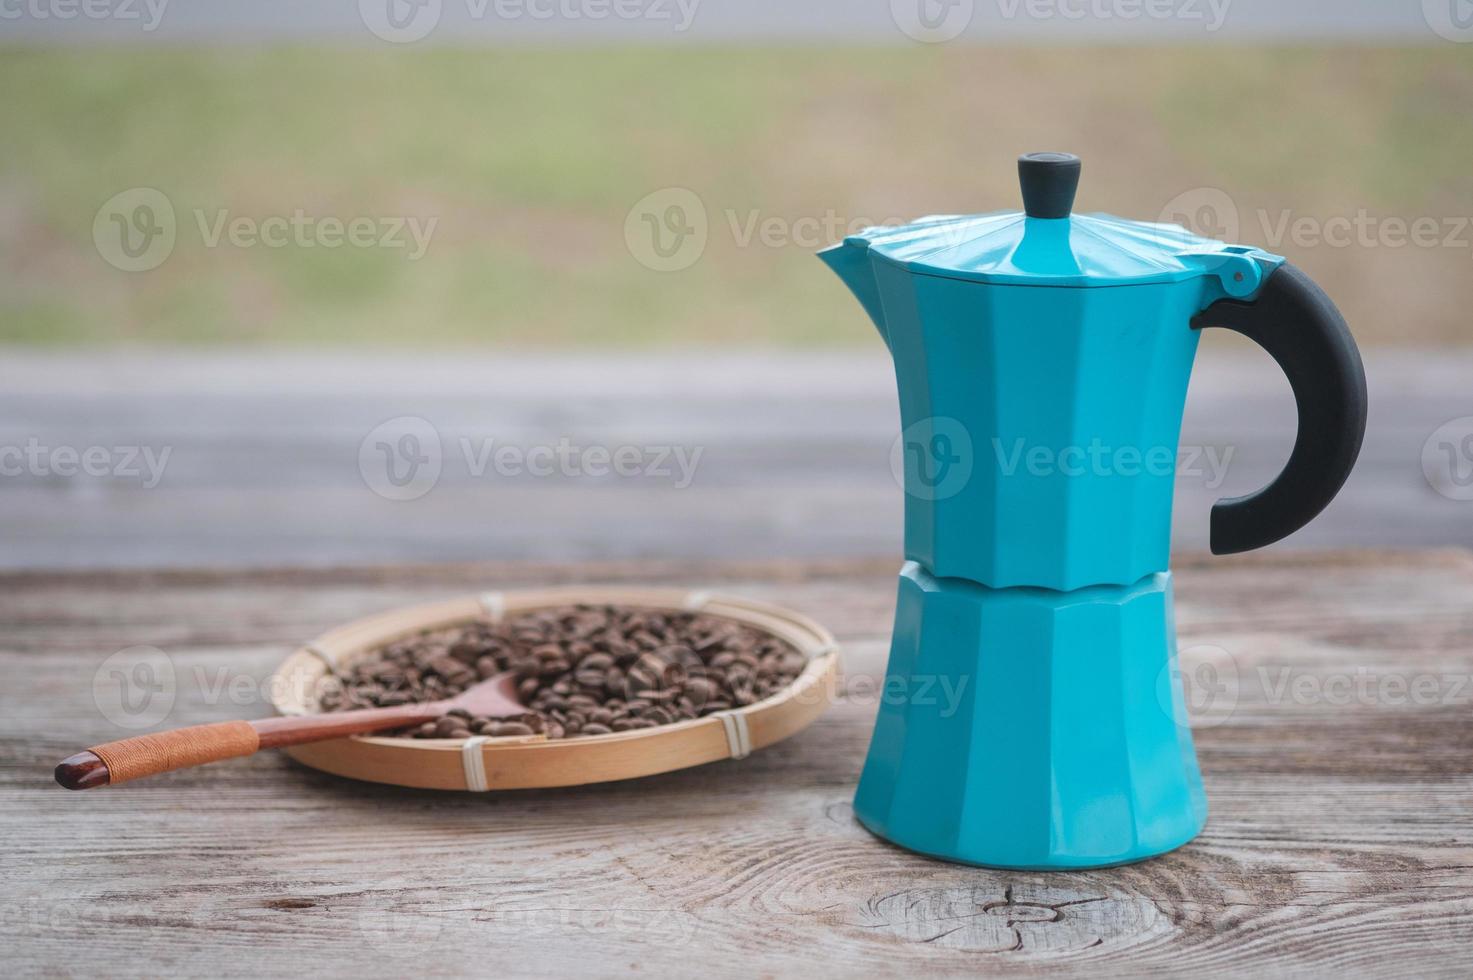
(1340,840)
(794,454)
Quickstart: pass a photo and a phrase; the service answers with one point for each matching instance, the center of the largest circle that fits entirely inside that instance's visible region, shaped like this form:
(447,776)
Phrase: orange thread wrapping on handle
(144,755)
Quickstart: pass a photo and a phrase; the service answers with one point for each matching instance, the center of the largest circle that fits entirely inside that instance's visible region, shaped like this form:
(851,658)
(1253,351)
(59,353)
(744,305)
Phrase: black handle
(1297,324)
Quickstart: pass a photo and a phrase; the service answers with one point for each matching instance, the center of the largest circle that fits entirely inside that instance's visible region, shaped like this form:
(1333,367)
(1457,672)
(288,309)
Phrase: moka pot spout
(850,260)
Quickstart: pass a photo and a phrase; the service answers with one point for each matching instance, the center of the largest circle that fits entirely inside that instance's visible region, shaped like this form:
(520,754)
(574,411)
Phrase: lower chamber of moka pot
(1031,729)
(521,762)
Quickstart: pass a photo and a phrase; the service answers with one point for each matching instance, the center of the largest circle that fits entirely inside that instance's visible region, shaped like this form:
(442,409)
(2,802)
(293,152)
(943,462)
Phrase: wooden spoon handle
(144,755)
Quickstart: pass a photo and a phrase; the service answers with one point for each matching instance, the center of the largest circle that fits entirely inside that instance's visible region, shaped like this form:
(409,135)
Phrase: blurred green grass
(530,160)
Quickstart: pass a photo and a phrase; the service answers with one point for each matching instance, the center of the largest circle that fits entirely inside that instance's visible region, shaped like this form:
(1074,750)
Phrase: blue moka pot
(1032,716)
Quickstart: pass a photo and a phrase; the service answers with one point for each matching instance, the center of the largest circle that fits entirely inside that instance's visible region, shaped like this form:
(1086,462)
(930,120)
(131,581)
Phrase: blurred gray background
(199,365)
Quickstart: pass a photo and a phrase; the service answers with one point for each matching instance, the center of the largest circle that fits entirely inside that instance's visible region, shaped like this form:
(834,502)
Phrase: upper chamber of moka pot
(1042,359)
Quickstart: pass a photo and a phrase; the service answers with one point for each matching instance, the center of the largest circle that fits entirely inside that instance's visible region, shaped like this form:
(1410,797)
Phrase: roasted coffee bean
(591,679)
(596,661)
(581,670)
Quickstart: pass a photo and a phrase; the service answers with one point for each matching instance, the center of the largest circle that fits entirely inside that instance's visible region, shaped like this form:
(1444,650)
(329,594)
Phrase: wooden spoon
(144,755)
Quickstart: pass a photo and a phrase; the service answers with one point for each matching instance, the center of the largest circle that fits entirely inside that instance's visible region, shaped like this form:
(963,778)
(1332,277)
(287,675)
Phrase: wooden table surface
(1336,743)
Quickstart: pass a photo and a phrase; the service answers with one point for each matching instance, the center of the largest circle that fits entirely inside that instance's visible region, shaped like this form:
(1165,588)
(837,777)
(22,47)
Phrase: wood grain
(1340,840)
(795,453)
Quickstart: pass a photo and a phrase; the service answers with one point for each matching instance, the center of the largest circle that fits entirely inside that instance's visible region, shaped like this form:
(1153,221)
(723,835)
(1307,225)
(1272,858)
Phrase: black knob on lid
(1049,181)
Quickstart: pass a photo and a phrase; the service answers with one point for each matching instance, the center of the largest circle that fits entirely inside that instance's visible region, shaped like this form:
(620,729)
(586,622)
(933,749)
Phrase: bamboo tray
(481,763)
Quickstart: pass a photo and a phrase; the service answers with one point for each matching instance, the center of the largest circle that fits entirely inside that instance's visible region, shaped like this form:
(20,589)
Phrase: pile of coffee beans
(581,670)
